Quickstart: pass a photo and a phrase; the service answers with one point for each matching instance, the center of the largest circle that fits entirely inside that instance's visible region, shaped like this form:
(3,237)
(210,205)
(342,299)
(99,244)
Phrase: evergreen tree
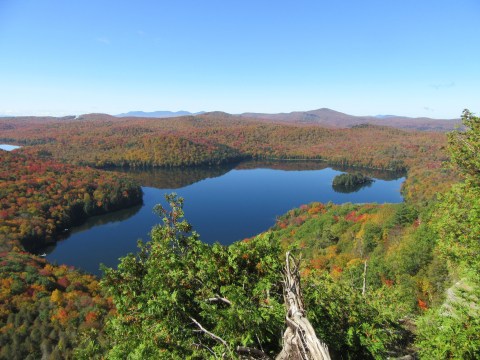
(180,298)
(453,330)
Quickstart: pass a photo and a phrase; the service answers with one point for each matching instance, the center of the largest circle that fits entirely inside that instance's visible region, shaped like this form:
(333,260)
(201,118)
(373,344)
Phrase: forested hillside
(46,310)
(213,138)
(378,281)
(216,137)
(42,198)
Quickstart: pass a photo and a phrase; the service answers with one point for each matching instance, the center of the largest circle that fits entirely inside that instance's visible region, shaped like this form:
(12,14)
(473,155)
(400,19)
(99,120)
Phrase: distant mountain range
(158,114)
(331,118)
(323,117)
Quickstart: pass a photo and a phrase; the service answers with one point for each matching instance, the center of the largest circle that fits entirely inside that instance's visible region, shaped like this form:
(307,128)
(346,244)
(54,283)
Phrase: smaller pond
(8,147)
(223,204)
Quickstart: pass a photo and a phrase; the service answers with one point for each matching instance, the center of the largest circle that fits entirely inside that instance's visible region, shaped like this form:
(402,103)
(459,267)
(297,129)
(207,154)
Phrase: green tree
(458,215)
(181,298)
(464,146)
(451,330)
(353,327)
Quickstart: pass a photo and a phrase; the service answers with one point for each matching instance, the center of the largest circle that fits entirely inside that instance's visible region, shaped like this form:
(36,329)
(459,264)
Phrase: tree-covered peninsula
(42,198)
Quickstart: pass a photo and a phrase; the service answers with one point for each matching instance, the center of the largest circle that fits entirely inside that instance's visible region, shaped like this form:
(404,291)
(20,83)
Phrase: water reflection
(112,217)
(372,173)
(176,178)
(94,221)
(344,189)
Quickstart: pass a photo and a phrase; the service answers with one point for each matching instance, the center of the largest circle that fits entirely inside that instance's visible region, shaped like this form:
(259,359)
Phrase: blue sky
(409,57)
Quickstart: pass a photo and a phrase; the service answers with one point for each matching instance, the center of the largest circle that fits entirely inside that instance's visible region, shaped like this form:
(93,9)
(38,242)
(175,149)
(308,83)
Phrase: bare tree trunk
(299,339)
(364,288)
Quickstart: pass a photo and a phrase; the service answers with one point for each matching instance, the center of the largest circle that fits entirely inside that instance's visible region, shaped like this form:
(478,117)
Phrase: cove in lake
(223,204)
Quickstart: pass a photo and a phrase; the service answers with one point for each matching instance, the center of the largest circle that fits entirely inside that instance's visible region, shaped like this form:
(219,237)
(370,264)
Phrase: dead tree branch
(219,299)
(206,332)
(364,287)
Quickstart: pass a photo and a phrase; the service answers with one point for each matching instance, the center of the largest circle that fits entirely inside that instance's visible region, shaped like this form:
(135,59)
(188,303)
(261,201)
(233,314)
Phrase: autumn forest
(378,280)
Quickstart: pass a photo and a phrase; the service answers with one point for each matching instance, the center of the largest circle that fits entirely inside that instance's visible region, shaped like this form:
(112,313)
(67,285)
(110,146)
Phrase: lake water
(223,204)
(8,147)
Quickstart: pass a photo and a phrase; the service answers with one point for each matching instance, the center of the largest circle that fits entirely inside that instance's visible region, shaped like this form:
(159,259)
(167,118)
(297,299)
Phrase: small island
(348,182)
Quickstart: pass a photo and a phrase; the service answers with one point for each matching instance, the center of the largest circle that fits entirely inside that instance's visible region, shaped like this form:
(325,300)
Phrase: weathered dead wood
(364,287)
(206,332)
(219,299)
(299,340)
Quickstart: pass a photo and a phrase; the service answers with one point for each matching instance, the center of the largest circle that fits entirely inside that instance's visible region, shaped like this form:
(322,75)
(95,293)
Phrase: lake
(8,147)
(224,204)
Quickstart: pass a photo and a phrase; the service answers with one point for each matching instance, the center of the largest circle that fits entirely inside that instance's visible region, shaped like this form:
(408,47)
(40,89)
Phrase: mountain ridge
(331,118)
(322,117)
(158,114)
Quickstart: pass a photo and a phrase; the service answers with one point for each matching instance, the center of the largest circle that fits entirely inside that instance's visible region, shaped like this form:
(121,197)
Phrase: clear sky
(408,57)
